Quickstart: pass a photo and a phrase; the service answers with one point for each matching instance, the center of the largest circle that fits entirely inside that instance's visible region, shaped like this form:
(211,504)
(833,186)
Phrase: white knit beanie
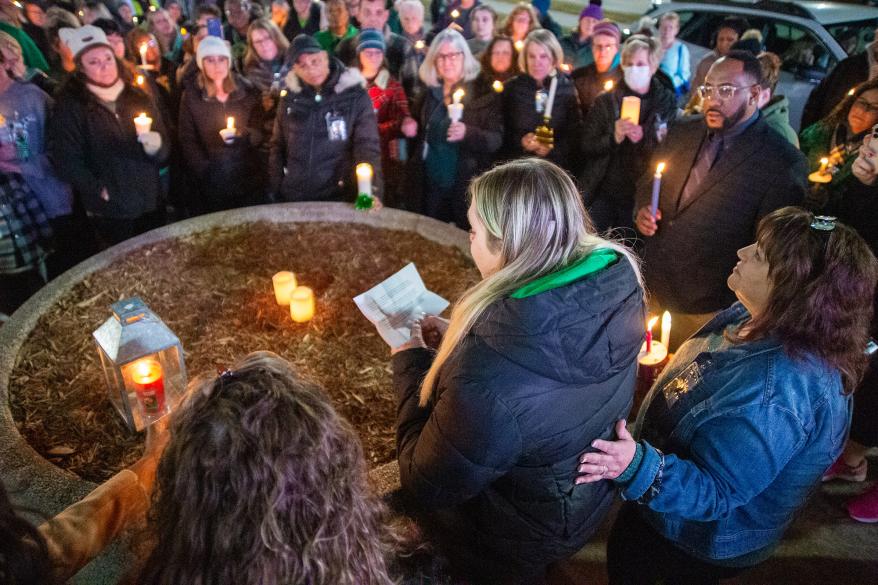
(212,47)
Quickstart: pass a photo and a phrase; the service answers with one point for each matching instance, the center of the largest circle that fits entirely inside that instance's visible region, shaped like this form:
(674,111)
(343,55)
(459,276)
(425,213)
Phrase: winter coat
(687,261)
(400,55)
(534,382)
(319,138)
(292,27)
(776,114)
(93,148)
(270,79)
(590,84)
(612,170)
(226,175)
(849,73)
(391,108)
(521,117)
(577,53)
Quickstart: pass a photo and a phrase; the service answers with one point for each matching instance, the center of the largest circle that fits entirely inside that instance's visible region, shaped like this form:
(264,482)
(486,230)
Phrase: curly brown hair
(821,298)
(263,482)
(839,113)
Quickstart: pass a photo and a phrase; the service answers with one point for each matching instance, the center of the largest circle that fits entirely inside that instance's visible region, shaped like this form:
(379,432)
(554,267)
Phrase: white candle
(284,284)
(455,108)
(229,132)
(631,109)
(666,329)
(302,304)
(142,124)
(553,87)
(364,178)
(656,187)
(143,49)
(457,96)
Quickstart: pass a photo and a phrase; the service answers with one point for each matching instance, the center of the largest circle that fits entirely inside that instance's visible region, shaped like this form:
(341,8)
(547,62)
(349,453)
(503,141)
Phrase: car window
(801,52)
(853,36)
(699,28)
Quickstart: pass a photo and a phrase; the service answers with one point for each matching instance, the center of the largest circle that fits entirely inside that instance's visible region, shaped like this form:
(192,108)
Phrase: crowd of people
(120,117)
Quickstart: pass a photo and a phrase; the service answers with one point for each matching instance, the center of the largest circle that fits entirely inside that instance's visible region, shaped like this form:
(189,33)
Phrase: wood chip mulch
(214,291)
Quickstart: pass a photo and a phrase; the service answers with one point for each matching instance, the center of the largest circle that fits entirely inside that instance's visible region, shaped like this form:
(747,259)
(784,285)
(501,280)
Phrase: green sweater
(32,55)
(328,41)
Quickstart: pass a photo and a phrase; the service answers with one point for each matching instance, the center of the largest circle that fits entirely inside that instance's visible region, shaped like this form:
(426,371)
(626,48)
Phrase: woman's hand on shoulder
(610,459)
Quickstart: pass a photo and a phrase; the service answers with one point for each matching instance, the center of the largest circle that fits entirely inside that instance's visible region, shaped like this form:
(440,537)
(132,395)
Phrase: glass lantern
(143,363)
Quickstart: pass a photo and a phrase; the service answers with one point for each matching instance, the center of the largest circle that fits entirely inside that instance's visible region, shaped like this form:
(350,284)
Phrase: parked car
(809,37)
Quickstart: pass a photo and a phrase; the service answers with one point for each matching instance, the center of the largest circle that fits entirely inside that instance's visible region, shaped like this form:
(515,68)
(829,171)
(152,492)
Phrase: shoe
(864,508)
(841,470)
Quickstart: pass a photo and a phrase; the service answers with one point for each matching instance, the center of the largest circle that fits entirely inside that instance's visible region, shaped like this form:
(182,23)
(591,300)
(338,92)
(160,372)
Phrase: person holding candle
(522,19)
(592,80)
(526,103)
(391,107)
(498,64)
(577,45)
(618,151)
(723,173)
(538,357)
(411,18)
(94,146)
(839,137)
(737,430)
(310,165)
(460,127)
(224,167)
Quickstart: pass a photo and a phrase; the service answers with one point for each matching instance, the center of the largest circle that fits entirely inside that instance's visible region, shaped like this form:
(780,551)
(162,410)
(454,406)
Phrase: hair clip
(823,223)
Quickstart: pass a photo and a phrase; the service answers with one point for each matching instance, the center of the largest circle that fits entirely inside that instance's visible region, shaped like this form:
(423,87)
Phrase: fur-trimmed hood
(340,78)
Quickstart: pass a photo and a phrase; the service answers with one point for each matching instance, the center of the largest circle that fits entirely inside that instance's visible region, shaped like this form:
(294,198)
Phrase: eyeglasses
(602,48)
(723,92)
(443,57)
(866,105)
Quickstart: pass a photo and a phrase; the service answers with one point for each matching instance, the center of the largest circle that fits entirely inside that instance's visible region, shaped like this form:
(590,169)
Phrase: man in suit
(723,174)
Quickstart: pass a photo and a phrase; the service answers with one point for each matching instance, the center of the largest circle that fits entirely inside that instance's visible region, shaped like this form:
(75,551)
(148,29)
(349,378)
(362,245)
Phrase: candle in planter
(666,330)
(631,109)
(455,108)
(142,124)
(649,327)
(656,188)
(149,386)
(143,50)
(284,283)
(550,102)
(302,304)
(229,132)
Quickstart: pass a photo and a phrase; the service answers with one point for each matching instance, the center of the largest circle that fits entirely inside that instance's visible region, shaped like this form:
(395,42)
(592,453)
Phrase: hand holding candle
(284,284)
(142,124)
(229,132)
(656,189)
(455,108)
(631,109)
(822,175)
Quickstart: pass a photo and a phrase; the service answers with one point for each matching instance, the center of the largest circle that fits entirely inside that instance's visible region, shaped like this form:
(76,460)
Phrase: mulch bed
(214,291)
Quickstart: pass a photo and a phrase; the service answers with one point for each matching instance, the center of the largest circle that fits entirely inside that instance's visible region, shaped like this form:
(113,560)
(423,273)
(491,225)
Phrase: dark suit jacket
(687,261)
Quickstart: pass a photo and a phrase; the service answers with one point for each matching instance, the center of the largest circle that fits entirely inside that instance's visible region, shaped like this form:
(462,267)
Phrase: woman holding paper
(460,126)
(616,149)
(542,91)
(538,357)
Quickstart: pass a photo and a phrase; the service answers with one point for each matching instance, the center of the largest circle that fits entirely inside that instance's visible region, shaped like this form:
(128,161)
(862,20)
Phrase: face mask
(637,76)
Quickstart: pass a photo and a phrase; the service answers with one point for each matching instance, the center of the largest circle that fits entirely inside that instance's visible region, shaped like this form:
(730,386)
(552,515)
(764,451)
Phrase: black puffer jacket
(319,168)
(93,148)
(530,387)
(226,175)
(521,117)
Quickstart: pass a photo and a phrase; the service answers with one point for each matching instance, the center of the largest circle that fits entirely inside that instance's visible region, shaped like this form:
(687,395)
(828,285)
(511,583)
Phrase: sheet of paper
(393,305)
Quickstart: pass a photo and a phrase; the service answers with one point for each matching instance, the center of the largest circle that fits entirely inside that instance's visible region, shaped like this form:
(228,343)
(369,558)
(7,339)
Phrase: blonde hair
(638,42)
(427,71)
(536,221)
(669,17)
(546,39)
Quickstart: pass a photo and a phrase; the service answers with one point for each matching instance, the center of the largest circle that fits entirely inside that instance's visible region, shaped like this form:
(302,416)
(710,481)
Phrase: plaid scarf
(25,234)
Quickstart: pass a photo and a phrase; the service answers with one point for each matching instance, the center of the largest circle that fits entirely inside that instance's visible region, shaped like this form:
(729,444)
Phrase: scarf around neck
(107,94)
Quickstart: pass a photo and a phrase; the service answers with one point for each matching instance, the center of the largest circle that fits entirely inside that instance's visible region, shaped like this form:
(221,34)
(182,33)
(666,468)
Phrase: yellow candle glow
(284,284)
(364,178)
(230,123)
(142,124)
(631,109)
(666,329)
(302,304)
(824,162)
(565,67)
(519,45)
(608,85)
(458,95)
(229,132)
(139,80)
(419,45)
(497,85)
(143,49)
(455,13)
(852,91)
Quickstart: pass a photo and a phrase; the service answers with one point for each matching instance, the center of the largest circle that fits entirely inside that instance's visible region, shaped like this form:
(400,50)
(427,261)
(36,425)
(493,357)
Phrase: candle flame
(364,170)
(458,95)
(455,13)
(608,85)
(565,67)
(230,123)
(824,161)
(660,168)
(183,31)
(140,80)
(519,45)
(851,92)
(497,85)
(420,45)
(651,323)
(146,371)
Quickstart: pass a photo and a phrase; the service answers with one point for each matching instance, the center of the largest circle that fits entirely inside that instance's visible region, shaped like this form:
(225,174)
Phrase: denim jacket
(735,437)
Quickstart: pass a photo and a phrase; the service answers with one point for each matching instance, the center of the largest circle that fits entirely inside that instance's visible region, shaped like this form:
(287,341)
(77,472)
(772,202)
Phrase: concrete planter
(35,483)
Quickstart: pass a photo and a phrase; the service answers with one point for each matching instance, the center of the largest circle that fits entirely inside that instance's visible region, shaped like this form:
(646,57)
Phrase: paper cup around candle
(284,284)
(631,109)
(142,124)
(455,112)
(302,304)
(228,135)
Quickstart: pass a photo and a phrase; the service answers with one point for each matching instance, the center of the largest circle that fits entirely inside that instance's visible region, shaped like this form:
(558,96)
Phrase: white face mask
(637,76)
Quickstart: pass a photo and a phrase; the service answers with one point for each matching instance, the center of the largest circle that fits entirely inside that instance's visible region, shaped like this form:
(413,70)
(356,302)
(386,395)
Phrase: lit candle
(565,67)
(229,132)
(852,91)
(302,304)
(656,187)
(649,327)
(455,13)
(631,109)
(519,45)
(139,80)
(824,162)
(553,87)
(419,45)
(455,109)
(821,175)
(608,85)
(497,85)
(143,49)
(142,124)
(364,178)
(149,386)
(284,283)
(666,329)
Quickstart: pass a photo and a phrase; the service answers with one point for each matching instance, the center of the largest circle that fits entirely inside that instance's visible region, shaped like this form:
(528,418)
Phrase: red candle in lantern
(149,384)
